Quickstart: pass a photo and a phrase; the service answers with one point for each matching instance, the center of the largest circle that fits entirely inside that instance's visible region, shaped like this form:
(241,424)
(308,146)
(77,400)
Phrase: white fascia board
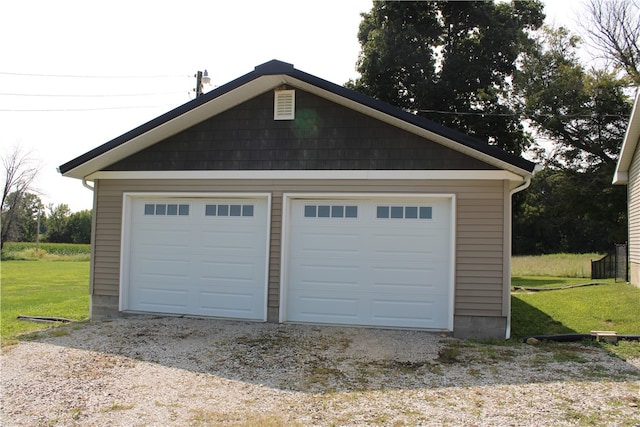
(377,114)
(171,127)
(501,175)
(621,178)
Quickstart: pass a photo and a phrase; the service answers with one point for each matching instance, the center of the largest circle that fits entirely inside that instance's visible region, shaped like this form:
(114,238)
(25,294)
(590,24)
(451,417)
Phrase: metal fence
(612,266)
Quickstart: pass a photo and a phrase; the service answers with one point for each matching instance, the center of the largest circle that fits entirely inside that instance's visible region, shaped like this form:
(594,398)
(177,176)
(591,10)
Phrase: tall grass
(556,265)
(25,251)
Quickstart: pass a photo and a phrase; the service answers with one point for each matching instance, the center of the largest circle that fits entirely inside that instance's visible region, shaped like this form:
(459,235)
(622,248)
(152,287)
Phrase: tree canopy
(451,62)
(489,69)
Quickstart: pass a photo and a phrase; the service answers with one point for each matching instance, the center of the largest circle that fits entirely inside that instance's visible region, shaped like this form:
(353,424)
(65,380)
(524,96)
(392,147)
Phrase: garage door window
(404,212)
(330,211)
(226,210)
(163,209)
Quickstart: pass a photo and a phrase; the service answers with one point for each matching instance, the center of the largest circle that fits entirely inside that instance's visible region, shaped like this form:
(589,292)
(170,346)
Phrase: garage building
(283,197)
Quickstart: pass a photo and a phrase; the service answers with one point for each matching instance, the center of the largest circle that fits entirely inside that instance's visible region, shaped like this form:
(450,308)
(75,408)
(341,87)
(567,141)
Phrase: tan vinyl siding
(479,229)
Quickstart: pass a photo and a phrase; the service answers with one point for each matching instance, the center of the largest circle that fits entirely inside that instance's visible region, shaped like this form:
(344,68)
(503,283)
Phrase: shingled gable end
(283,197)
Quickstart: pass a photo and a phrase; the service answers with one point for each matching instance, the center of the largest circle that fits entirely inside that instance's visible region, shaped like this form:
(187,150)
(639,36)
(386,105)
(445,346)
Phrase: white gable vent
(284,106)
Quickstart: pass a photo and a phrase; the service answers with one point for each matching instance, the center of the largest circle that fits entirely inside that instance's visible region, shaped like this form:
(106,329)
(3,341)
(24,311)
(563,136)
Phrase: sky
(76,74)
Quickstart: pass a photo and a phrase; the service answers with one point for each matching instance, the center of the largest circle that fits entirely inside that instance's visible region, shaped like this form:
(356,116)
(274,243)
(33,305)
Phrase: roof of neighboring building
(629,144)
(266,77)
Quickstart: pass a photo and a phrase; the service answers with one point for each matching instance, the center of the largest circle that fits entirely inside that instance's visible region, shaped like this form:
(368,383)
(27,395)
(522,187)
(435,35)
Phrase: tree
(57,221)
(583,113)
(569,211)
(572,206)
(19,173)
(79,227)
(24,226)
(451,62)
(613,27)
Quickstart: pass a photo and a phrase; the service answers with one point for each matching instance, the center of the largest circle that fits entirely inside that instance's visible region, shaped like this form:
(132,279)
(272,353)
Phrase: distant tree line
(30,219)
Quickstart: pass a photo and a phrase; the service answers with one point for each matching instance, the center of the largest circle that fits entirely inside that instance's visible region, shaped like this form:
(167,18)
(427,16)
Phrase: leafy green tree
(451,62)
(57,221)
(572,206)
(23,226)
(79,227)
(569,211)
(583,113)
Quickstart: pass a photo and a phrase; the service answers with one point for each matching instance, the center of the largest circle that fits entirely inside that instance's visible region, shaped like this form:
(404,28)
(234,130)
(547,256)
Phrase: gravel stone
(159,371)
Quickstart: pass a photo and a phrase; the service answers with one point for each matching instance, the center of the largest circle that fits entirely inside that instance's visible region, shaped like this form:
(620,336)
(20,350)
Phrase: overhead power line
(79,76)
(89,95)
(62,110)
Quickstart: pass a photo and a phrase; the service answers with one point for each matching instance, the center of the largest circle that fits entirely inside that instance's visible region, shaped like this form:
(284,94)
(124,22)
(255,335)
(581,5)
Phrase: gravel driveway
(146,371)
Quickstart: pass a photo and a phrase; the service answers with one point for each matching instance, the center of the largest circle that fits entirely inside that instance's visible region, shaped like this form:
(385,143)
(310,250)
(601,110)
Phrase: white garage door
(381,262)
(198,257)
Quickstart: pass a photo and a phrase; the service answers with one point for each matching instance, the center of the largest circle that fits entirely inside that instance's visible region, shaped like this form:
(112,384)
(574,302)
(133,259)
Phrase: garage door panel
(407,313)
(323,272)
(392,271)
(197,263)
(162,300)
(235,273)
(326,244)
(322,309)
(227,304)
(164,239)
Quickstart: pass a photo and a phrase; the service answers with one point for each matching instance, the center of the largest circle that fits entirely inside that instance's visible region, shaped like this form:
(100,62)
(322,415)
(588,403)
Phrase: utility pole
(38,228)
(201,80)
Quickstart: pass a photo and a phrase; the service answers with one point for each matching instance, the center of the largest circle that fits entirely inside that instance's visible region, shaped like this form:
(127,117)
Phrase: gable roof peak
(274,67)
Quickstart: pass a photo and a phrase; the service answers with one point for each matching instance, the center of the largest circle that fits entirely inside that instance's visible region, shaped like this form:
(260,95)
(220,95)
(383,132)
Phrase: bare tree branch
(20,171)
(613,27)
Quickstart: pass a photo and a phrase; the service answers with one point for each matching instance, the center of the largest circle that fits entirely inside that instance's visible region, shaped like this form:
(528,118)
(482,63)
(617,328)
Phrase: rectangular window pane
(172,209)
(323,211)
(351,212)
(235,210)
(309,211)
(383,212)
(411,212)
(183,210)
(397,212)
(247,210)
(149,209)
(210,210)
(425,212)
(161,209)
(337,211)
(223,210)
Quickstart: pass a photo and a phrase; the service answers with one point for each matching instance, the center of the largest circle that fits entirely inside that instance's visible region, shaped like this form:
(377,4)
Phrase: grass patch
(556,265)
(613,306)
(53,289)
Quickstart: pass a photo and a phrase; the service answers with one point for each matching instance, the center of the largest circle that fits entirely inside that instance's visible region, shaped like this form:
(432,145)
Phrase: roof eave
(629,145)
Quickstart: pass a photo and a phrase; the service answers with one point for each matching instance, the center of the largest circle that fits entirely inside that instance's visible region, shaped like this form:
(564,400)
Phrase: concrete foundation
(104,307)
(479,327)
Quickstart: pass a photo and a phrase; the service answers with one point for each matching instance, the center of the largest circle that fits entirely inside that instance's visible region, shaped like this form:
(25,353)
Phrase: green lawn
(611,307)
(41,288)
(60,289)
